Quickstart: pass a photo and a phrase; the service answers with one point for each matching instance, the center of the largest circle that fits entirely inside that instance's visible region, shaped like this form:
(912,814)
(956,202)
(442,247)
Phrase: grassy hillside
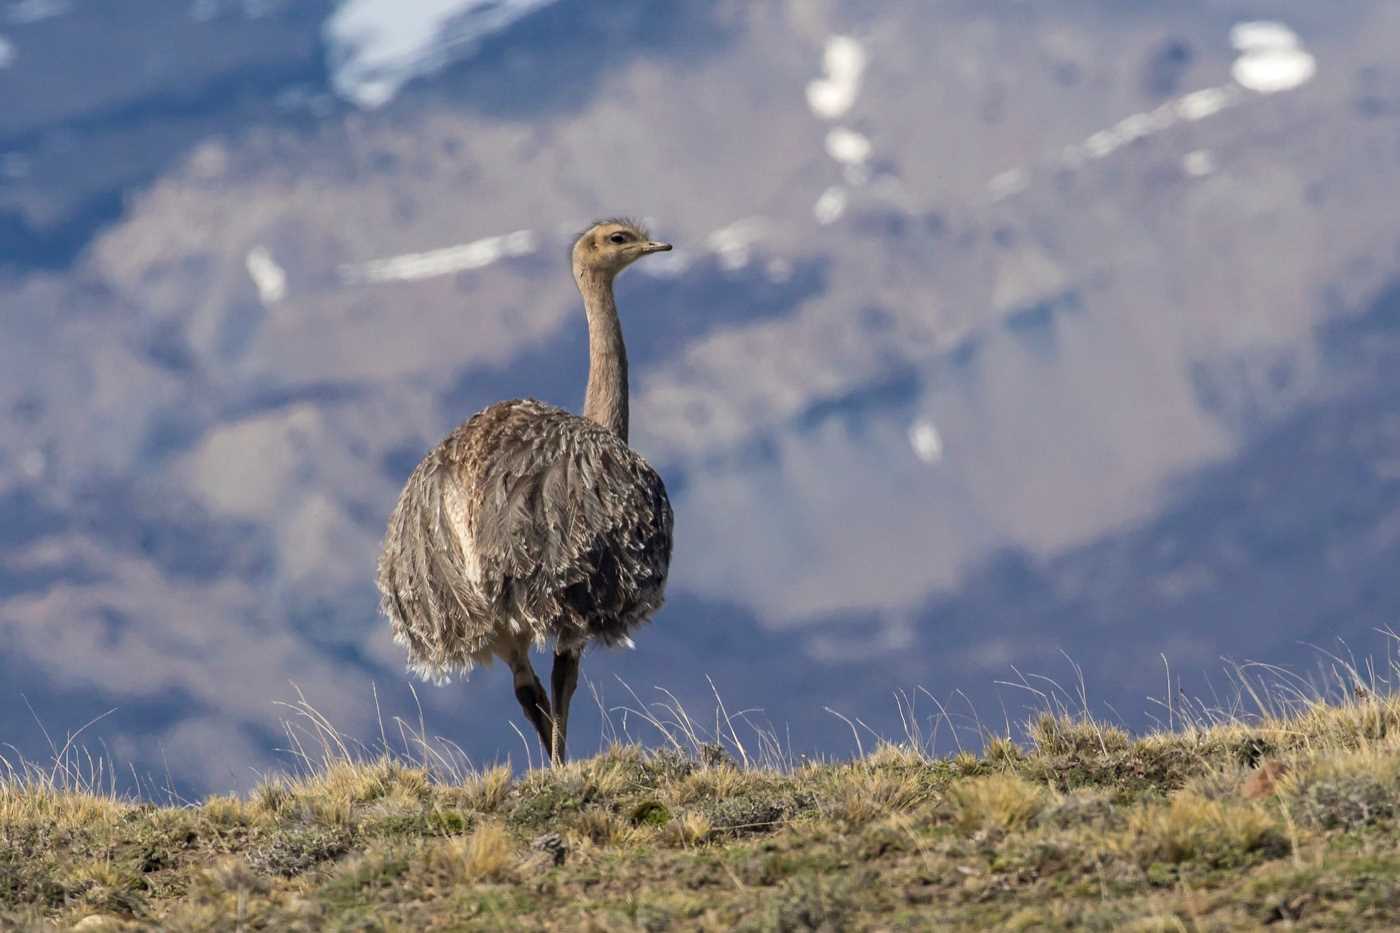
(1288,821)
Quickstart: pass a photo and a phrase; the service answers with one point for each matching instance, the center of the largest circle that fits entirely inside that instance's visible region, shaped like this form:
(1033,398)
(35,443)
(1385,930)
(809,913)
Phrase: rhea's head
(609,246)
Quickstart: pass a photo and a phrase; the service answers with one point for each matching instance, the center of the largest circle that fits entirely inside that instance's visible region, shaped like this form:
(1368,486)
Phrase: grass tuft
(1213,833)
(487,854)
(998,801)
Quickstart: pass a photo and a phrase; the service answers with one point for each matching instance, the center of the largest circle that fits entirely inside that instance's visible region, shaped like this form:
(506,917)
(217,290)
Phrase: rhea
(529,526)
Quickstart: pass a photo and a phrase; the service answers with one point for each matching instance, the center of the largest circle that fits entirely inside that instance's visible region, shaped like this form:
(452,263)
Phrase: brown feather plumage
(526,520)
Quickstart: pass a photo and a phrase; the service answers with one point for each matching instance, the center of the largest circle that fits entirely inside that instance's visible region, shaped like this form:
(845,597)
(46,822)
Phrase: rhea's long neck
(605,400)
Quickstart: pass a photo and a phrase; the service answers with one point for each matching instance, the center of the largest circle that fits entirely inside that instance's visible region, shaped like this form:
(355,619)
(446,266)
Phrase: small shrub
(666,765)
(545,797)
(1346,790)
(1346,801)
(1078,809)
(650,813)
(234,875)
(811,904)
(747,813)
(291,852)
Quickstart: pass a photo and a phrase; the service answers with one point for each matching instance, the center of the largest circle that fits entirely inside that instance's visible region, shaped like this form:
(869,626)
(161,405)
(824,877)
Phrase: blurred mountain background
(998,334)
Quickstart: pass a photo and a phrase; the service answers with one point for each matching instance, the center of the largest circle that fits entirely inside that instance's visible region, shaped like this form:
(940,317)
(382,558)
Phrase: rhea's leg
(530,693)
(563,680)
(535,702)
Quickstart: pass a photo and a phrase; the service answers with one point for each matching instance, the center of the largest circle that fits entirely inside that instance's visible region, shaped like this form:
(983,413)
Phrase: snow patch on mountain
(1272,57)
(377,46)
(410,267)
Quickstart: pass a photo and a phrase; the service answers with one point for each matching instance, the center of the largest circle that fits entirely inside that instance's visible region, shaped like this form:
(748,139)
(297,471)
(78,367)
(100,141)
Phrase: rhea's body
(527,525)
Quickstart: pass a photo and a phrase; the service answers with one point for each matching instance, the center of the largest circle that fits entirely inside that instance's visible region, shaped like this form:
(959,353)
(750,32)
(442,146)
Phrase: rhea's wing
(424,577)
(569,524)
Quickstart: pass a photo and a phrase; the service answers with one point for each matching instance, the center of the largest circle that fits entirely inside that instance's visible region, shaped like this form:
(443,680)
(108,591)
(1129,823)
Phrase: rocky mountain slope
(994,332)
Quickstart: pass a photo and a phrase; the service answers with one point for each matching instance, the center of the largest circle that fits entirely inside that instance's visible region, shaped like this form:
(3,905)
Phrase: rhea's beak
(652,246)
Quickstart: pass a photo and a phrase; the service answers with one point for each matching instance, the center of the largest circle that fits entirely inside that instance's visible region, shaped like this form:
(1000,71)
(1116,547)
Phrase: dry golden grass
(62,809)
(488,854)
(714,782)
(872,791)
(997,801)
(1190,828)
(487,791)
(604,828)
(1059,734)
(1285,819)
(688,830)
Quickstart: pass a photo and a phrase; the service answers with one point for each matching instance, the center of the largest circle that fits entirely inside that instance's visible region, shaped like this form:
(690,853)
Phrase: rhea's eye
(618,238)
